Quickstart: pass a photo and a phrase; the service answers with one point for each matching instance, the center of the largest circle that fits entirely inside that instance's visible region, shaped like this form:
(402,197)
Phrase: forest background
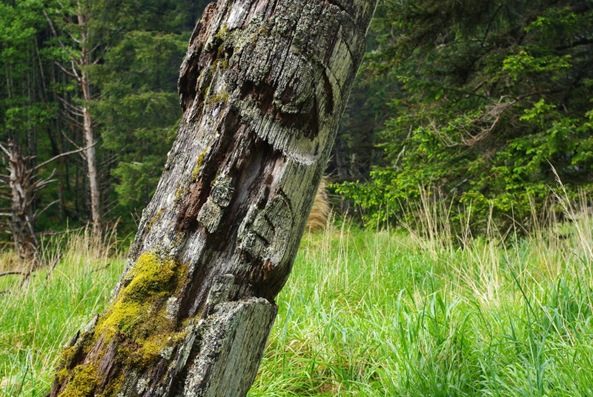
(481,106)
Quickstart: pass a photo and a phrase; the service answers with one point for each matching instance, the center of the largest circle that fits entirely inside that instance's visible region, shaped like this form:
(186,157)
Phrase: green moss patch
(137,323)
(83,382)
(199,162)
(139,309)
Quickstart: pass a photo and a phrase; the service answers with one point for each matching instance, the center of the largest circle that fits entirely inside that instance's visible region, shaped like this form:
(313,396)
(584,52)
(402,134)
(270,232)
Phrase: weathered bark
(261,87)
(83,77)
(22,192)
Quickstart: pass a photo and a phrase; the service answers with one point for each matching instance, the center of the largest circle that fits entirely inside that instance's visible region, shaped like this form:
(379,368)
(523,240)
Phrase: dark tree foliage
(136,49)
(495,101)
(356,149)
(138,108)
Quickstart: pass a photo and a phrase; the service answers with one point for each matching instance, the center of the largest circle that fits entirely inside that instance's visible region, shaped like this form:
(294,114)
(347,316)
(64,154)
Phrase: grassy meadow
(366,314)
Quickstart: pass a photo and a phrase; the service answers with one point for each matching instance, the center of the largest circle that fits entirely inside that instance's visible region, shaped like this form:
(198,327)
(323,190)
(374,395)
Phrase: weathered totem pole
(262,87)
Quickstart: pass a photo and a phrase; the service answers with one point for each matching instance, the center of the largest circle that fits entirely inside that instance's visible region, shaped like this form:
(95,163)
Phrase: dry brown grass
(320,212)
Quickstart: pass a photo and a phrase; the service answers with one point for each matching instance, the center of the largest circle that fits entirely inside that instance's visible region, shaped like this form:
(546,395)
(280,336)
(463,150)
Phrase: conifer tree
(494,101)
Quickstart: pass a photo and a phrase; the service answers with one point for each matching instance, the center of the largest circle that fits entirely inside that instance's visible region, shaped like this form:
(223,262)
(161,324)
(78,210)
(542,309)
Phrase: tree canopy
(129,53)
(493,104)
(482,104)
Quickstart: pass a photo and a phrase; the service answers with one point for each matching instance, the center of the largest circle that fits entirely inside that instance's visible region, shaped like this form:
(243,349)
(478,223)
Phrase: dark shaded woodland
(480,105)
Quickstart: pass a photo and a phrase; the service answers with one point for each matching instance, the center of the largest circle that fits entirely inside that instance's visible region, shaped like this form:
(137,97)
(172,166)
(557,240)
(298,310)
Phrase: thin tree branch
(64,154)
(38,213)
(53,266)
(97,269)
(14,272)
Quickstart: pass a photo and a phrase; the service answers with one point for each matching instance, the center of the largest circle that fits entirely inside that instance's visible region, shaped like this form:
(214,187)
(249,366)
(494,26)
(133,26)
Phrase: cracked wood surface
(262,87)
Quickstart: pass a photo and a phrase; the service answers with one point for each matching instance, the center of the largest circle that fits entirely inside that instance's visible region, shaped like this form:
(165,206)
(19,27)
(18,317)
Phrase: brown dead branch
(14,272)
(97,269)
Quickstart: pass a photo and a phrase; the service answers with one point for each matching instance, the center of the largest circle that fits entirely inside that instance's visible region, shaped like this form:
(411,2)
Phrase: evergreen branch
(38,213)
(55,34)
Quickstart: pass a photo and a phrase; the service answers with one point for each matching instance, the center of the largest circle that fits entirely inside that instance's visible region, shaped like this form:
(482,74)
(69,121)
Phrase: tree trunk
(91,162)
(81,59)
(89,139)
(21,215)
(262,87)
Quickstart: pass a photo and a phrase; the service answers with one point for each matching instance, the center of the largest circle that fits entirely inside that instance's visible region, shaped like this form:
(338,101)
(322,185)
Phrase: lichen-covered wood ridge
(262,87)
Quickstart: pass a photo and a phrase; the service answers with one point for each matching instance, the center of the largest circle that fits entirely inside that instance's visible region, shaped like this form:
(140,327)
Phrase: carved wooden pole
(262,87)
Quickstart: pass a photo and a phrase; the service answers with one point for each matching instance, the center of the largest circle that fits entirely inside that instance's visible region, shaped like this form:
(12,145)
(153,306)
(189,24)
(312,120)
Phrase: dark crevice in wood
(193,293)
(189,76)
(252,186)
(307,122)
(288,95)
(262,93)
(339,4)
(327,86)
(201,188)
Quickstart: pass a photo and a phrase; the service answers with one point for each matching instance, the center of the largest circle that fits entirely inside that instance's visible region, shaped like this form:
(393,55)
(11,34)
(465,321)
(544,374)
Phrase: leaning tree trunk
(262,87)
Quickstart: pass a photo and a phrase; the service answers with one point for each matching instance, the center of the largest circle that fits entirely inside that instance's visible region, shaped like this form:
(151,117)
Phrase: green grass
(374,314)
(371,314)
(39,319)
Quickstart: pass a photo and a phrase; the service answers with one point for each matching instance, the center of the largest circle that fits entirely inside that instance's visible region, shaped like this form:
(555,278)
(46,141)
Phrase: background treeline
(477,105)
(480,106)
(98,75)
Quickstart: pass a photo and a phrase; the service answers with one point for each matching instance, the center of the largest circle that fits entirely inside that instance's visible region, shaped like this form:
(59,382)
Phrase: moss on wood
(83,382)
(139,322)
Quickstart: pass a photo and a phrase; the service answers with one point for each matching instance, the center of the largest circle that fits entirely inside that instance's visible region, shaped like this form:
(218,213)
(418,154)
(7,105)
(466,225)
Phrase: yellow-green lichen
(223,33)
(68,355)
(138,325)
(137,308)
(179,193)
(71,354)
(222,97)
(151,274)
(156,345)
(114,387)
(154,218)
(61,375)
(223,64)
(83,381)
(199,162)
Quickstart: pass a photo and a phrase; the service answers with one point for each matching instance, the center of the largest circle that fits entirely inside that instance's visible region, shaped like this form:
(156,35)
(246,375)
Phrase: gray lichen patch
(237,332)
(220,291)
(210,215)
(211,212)
(265,234)
(172,308)
(222,191)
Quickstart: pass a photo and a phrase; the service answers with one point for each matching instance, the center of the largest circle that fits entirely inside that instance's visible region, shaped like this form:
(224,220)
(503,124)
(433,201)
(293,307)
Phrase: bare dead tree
(20,187)
(74,13)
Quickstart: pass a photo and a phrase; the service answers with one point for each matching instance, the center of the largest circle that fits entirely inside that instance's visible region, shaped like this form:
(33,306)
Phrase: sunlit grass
(368,314)
(40,317)
(378,314)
